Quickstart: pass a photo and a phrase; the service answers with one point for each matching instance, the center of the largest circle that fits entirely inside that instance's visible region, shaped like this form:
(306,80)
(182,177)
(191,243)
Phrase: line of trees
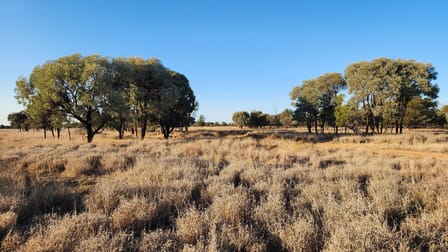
(99,92)
(258,119)
(384,94)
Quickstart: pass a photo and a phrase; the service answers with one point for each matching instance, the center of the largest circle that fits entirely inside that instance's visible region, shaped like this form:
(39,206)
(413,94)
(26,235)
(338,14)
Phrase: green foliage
(286,118)
(19,120)
(347,116)
(240,118)
(273,120)
(316,99)
(257,119)
(173,104)
(383,88)
(97,91)
(423,112)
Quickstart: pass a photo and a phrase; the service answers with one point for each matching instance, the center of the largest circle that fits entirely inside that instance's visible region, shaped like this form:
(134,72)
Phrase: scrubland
(225,190)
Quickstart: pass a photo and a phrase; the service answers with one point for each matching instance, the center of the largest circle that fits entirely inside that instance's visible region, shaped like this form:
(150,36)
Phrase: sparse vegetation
(224,190)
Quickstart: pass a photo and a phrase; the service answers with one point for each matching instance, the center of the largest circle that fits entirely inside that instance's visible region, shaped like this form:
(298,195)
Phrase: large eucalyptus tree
(74,86)
(316,100)
(383,88)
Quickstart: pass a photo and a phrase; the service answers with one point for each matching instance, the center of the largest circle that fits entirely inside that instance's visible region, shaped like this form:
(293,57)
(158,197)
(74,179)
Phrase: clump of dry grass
(224,191)
(7,222)
(192,226)
(67,233)
(158,240)
(134,214)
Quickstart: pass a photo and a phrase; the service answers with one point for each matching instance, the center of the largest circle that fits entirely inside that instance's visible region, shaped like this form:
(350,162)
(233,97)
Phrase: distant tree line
(258,119)
(98,92)
(384,94)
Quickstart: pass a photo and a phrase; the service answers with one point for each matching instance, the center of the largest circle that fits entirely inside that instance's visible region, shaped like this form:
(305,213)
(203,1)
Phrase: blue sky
(238,55)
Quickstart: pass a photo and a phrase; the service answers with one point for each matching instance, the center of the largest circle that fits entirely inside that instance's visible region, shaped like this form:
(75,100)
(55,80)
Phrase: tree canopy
(382,93)
(98,91)
(383,88)
(316,100)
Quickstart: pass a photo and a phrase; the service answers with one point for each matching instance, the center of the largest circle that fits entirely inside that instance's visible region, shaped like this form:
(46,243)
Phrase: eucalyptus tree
(97,91)
(257,119)
(74,86)
(422,112)
(286,118)
(370,84)
(19,120)
(383,88)
(412,79)
(173,103)
(40,111)
(148,77)
(120,98)
(316,99)
(306,102)
(160,95)
(348,117)
(240,118)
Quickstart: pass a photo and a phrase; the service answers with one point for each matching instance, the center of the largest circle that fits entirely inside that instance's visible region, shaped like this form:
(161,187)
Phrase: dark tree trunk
(52,132)
(58,130)
(166,130)
(45,133)
(90,133)
(144,126)
(401,124)
(121,128)
(315,127)
(367,125)
(166,134)
(69,134)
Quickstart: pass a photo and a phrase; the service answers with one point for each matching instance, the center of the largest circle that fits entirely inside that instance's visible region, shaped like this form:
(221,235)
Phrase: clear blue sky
(238,55)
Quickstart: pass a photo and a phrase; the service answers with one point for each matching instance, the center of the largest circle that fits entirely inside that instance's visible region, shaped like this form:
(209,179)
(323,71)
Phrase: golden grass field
(224,189)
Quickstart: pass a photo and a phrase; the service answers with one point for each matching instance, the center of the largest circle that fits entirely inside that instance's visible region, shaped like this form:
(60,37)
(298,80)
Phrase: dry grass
(225,190)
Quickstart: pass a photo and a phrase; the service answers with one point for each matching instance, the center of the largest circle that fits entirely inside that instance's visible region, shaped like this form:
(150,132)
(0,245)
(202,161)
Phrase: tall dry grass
(227,190)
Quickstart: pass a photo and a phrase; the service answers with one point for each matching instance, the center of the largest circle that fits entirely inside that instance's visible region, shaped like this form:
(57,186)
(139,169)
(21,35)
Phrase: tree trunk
(401,124)
(69,133)
(58,130)
(45,133)
(121,129)
(367,125)
(144,126)
(90,133)
(166,134)
(52,132)
(166,130)
(315,126)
